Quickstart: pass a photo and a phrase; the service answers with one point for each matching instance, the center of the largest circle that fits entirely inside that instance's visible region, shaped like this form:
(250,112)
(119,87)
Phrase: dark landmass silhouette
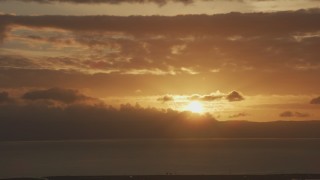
(66,114)
(180,177)
(38,122)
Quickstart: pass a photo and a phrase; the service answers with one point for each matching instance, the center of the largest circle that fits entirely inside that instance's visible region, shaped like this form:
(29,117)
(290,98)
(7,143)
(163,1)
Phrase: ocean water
(160,156)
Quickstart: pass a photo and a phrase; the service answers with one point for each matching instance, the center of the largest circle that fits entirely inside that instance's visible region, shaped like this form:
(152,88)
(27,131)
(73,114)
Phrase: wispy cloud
(291,114)
(238,115)
(215,96)
(165,98)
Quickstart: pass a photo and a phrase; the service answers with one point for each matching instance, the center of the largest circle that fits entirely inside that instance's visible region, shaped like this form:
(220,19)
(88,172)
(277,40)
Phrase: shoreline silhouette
(179,177)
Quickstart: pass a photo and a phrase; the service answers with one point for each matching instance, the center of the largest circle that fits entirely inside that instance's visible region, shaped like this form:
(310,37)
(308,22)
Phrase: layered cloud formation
(56,94)
(168,45)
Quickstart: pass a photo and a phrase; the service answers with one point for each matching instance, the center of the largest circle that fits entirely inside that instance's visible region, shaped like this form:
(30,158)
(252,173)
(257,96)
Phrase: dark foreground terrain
(181,177)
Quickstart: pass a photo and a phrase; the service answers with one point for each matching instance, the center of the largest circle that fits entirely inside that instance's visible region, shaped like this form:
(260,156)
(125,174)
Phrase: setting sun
(195,107)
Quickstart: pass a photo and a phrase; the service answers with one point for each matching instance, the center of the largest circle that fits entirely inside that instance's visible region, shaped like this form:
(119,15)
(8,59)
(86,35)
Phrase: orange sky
(166,54)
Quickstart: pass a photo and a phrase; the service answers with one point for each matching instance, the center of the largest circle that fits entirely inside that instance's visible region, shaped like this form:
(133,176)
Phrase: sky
(255,60)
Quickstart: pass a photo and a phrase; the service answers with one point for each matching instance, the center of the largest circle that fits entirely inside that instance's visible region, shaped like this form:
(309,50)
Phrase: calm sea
(149,156)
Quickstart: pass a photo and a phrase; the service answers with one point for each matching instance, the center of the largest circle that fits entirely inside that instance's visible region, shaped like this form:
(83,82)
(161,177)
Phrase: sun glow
(195,107)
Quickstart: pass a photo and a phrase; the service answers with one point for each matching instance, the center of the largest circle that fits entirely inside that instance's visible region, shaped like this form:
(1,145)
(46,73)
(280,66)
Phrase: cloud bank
(56,94)
(220,24)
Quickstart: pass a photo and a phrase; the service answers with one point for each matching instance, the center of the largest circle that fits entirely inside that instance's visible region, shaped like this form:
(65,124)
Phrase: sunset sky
(256,60)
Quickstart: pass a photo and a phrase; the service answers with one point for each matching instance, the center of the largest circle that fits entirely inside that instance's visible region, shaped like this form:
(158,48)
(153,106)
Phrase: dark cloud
(315,101)
(165,98)
(56,94)
(238,115)
(234,96)
(115,2)
(221,24)
(3,26)
(182,44)
(2,33)
(54,40)
(294,114)
(7,61)
(287,114)
(159,2)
